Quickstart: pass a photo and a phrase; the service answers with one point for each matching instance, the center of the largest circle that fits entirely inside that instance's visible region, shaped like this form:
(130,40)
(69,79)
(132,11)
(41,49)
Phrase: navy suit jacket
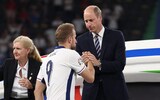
(8,72)
(112,59)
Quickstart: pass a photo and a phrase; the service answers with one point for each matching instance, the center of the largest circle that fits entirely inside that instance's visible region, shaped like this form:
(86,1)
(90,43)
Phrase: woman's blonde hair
(28,43)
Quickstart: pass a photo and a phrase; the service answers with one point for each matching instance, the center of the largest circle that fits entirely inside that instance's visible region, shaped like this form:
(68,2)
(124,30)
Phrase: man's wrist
(98,64)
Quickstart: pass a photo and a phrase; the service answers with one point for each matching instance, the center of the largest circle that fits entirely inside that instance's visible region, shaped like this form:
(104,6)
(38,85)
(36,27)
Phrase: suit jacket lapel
(104,42)
(12,71)
(30,69)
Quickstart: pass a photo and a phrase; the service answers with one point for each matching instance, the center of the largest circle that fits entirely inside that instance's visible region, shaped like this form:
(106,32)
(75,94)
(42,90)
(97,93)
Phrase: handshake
(88,56)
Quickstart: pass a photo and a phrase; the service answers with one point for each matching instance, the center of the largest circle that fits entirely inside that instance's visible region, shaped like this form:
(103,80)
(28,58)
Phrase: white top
(21,91)
(59,70)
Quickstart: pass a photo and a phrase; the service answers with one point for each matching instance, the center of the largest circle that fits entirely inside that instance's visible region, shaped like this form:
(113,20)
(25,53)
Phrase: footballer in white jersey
(59,71)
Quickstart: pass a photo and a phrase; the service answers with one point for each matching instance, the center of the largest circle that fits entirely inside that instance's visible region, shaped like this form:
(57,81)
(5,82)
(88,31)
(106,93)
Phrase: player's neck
(65,46)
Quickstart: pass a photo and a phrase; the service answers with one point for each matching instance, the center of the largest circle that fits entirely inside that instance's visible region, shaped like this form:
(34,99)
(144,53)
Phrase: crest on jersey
(80,61)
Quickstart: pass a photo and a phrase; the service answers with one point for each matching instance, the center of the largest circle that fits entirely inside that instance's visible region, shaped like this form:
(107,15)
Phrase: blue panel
(143,52)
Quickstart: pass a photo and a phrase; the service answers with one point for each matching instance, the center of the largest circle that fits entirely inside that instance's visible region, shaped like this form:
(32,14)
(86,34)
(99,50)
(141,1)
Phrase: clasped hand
(88,56)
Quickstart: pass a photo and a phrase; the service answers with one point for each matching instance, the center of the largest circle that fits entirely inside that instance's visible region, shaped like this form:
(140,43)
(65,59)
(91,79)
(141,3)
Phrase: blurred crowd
(38,19)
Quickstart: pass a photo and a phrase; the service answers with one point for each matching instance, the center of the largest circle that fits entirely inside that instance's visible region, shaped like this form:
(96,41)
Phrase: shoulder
(33,61)
(10,60)
(63,53)
(71,52)
(84,35)
(114,33)
(111,31)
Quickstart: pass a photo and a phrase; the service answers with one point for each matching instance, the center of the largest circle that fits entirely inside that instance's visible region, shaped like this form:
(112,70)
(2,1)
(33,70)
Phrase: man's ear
(70,39)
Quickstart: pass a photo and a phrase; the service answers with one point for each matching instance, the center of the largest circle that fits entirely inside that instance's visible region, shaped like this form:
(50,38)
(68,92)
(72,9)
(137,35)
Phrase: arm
(114,58)
(88,56)
(89,72)
(2,69)
(1,73)
(39,89)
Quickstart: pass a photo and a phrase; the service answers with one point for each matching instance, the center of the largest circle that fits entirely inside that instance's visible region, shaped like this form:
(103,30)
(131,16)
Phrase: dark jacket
(8,72)
(112,59)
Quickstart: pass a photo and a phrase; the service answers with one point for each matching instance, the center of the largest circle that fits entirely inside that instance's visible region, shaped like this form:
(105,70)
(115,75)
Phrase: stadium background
(38,19)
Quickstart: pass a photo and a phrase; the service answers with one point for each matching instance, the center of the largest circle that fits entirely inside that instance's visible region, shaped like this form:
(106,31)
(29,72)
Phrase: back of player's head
(64,31)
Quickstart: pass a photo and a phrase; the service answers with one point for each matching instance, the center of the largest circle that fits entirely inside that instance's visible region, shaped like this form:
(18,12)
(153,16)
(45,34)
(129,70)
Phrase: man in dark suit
(109,61)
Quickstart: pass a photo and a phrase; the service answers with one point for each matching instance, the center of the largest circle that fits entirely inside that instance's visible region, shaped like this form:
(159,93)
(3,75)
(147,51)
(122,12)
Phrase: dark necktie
(97,45)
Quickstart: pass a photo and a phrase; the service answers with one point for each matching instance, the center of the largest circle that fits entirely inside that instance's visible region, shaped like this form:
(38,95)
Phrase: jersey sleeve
(40,75)
(76,63)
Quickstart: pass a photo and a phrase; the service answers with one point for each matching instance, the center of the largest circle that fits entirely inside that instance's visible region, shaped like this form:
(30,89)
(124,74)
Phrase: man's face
(92,22)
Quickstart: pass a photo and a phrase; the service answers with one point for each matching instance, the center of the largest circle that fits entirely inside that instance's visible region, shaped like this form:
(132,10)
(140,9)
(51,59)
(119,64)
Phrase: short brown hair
(64,31)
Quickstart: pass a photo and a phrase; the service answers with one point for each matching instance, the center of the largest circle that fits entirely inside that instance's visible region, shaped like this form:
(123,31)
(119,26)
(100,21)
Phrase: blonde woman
(19,73)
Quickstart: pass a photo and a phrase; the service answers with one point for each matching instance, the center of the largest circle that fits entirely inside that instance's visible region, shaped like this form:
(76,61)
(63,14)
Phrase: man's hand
(88,56)
(84,57)
(93,59)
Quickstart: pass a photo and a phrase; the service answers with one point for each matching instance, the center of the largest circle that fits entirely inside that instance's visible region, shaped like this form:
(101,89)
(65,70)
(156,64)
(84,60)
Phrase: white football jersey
(59,71)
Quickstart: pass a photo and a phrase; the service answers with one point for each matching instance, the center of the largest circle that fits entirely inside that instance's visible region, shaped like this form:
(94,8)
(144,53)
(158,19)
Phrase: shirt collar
(58,47)
(25,66)
(100,33)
